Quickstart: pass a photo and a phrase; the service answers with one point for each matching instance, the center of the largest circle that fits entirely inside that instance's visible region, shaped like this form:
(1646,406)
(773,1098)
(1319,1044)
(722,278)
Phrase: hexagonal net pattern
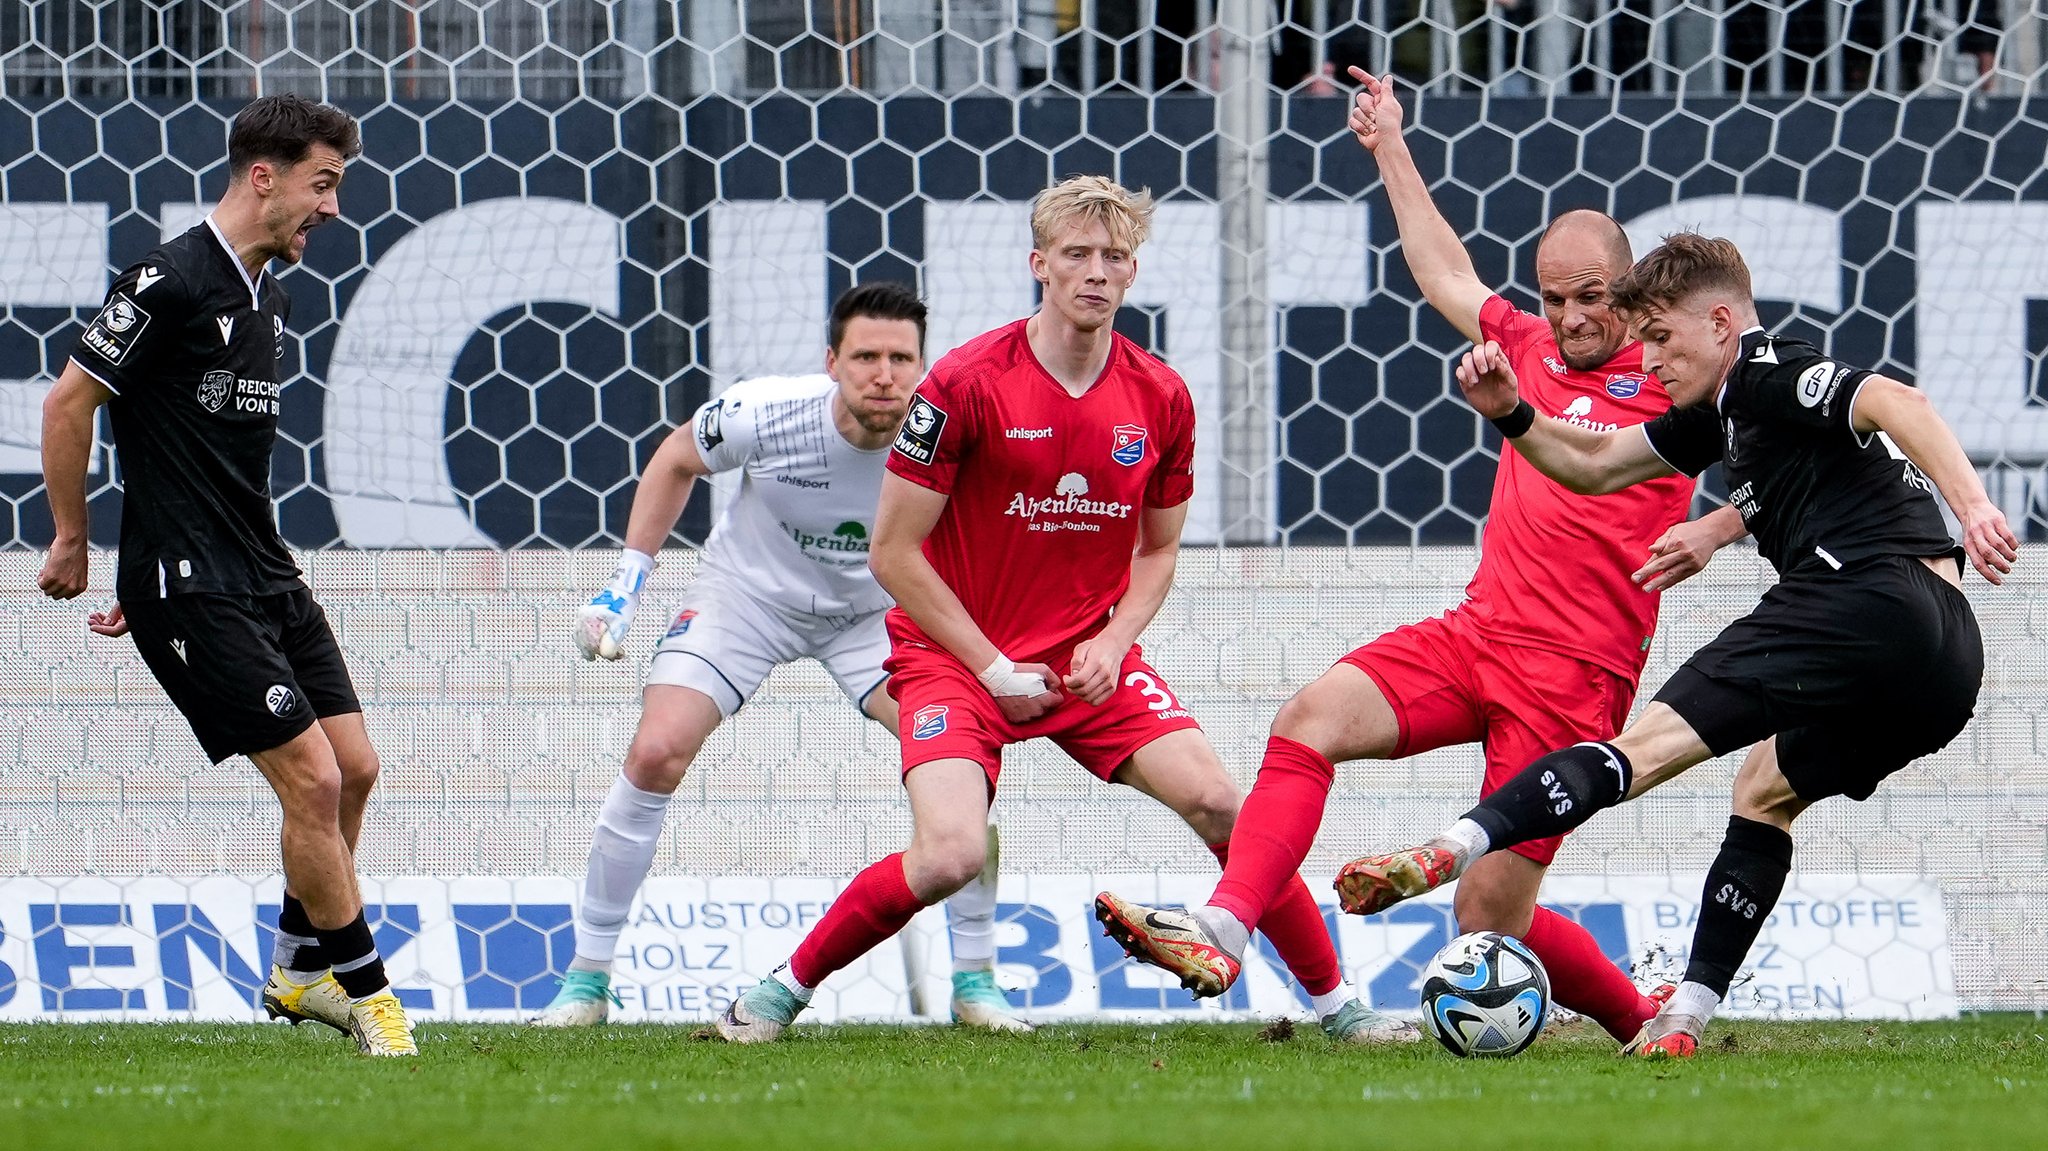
(574,222)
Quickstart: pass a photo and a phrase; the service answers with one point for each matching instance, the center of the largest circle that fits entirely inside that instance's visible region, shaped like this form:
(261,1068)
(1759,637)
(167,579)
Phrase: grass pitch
(1982,1081)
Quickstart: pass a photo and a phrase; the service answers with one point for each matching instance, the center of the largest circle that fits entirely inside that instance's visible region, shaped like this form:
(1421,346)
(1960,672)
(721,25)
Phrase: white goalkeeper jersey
(795,532)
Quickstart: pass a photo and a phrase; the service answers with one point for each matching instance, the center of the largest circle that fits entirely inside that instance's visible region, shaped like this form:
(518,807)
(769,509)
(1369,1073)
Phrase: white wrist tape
(1002,678)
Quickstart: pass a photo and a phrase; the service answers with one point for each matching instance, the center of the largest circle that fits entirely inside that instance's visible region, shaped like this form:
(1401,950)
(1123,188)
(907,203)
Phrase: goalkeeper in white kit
(783,576)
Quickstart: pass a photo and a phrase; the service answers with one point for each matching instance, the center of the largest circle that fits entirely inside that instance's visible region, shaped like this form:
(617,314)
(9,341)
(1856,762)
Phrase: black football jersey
(189,344)
(1810,487)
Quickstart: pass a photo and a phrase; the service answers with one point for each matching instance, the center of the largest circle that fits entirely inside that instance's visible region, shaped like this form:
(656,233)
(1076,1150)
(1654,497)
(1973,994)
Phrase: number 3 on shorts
(1156,696)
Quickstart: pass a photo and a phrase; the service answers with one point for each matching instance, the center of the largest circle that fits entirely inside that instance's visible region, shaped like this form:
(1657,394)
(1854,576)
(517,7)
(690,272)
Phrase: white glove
(1003,679)
(601,624)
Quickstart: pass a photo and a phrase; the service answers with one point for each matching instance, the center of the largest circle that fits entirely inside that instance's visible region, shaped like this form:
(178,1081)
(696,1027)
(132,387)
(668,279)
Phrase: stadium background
(574,221)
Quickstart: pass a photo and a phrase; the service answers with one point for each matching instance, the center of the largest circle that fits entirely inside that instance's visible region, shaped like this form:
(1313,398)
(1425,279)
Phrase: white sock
(783,976)
(971,917)
(1695,999)
(621,852)
(1333,1000)
(1228,929)
(1468,840)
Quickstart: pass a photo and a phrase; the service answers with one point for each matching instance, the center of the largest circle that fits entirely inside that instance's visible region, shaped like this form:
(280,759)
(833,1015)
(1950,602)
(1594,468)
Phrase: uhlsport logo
(1128,446)
(280,700)
(929,721)
(1626,385)
(682,623)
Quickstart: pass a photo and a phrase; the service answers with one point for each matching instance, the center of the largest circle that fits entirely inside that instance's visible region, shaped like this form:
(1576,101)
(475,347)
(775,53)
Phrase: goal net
(574,222)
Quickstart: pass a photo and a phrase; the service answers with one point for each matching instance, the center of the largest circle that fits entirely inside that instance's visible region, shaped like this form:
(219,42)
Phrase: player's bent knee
(359,772)
(1213,814)
(1480,908)
(658,765)
(313,796)
(938,866)
(1341,716)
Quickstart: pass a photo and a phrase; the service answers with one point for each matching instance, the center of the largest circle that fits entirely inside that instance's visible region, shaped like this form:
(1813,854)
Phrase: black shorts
(248,672)
(1858,672)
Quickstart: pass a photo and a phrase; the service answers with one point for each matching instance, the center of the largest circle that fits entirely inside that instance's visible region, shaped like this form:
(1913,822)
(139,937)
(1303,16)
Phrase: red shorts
(945,713)
(1449,683)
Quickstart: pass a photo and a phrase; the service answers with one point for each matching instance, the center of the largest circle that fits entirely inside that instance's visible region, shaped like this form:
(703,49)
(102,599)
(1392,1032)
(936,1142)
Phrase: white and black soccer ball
(1485,994)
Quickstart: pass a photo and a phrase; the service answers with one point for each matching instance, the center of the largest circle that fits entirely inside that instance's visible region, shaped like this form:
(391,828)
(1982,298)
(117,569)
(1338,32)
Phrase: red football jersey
(1046,487)
(1554,565)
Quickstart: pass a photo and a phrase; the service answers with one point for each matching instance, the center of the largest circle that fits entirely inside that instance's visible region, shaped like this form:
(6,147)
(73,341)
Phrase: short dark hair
(1685,263)
(880,300)
(284,128)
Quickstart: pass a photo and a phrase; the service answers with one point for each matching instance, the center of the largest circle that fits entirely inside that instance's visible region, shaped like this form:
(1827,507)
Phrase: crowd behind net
(574,221)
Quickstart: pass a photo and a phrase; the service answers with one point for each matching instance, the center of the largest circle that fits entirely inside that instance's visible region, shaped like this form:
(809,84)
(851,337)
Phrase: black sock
(1554,795)
(298,943)
(1742,888)
(353,956)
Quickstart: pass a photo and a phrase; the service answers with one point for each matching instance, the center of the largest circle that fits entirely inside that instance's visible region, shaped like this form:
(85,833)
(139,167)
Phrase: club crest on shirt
(1626,385)
(929,721)
(214,388)
(1128,445)
(682,623)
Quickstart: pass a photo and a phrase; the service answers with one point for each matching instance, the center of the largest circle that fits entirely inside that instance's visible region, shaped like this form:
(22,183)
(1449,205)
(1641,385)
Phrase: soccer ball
(1485,994)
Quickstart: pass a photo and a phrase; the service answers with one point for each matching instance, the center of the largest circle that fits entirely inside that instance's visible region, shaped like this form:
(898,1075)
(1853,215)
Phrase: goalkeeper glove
(601,625)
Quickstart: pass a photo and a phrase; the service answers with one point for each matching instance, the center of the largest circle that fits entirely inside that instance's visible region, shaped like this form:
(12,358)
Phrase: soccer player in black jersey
(1864,657)
(184,355)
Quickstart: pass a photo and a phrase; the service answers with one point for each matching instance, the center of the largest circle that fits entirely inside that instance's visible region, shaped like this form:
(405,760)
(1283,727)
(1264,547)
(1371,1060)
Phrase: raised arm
(1436,258)
(1585,461)
(905,517)
(1884,405)
(69,411)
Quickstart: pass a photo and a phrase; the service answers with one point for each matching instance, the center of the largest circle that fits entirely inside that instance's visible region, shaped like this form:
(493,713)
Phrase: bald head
(1595,229)
(1581,253)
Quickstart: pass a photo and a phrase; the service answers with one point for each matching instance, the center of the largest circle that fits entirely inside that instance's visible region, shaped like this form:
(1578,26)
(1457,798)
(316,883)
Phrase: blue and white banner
(88,948)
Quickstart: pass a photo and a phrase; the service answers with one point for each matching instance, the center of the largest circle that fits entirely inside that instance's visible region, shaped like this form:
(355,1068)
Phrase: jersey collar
(241,268)
(1751,337)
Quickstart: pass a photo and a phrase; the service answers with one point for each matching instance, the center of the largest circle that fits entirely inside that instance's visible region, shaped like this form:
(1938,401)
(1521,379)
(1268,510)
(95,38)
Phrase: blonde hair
(1081,200)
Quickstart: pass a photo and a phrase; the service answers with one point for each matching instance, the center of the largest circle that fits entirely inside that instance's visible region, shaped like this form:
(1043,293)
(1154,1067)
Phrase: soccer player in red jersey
(1028,530)
(1546,648)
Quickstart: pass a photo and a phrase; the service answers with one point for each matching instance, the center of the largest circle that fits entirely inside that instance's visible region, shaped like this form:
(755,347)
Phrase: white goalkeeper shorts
(723,642)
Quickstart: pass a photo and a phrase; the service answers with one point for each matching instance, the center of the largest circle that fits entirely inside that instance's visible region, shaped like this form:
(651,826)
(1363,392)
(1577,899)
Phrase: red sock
(1584,979)
(876,905)
(1295,926)
(1274,831)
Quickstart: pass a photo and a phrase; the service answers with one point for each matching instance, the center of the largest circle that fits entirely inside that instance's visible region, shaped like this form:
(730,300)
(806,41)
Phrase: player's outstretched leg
(674,723)
(1182,771)
(320,868)
(1741,890)
(948,849)
(1204,948)
(1550,797)
(978,1001)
